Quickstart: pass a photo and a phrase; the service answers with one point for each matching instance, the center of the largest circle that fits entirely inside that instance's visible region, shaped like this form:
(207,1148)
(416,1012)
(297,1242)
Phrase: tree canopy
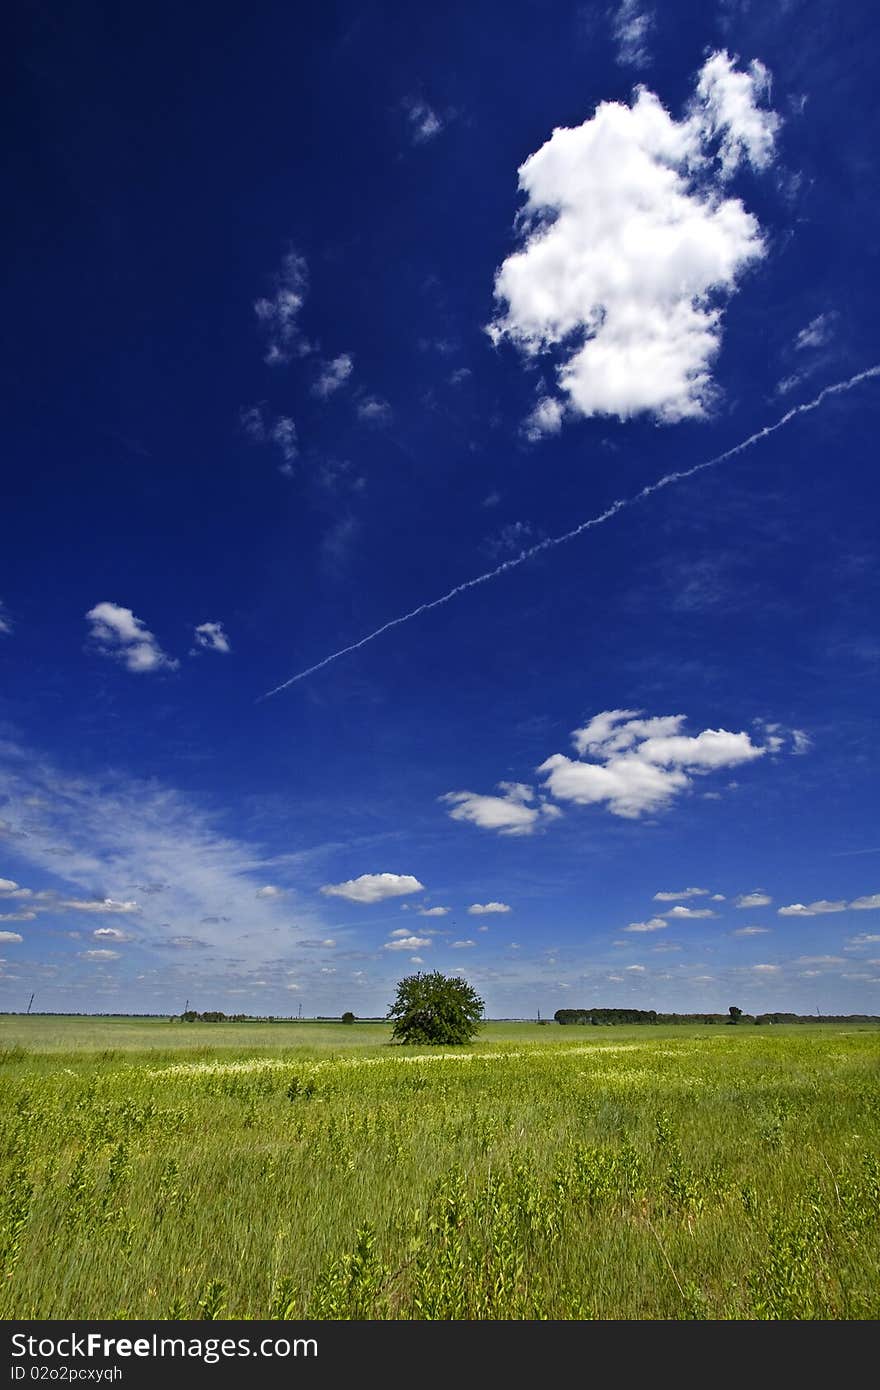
(435,1008)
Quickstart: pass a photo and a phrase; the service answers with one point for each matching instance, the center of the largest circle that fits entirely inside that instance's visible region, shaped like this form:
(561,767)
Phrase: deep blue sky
(187,188)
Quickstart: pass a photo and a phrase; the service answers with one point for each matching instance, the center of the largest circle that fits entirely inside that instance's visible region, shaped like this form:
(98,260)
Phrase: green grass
(158,1170)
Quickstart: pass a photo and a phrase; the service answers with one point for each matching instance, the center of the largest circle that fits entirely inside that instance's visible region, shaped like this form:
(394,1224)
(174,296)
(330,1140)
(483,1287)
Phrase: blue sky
(314,317)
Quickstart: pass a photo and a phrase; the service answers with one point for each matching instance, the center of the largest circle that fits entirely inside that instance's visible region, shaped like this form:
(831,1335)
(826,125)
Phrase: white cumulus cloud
(628,244)
(407,943)
(515,812)
(8,937)
(655,924)
(811,909)
(640,765)
(432,911)
(374,888)
(689,913)
(867,903)
(486,909)
(757,899)
(119,634)
(212,638)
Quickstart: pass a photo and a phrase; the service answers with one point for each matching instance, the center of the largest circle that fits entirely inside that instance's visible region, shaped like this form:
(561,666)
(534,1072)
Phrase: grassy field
(158,1170)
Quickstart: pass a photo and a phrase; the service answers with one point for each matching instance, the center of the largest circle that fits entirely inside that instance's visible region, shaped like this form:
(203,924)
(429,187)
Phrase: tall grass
(662,1173)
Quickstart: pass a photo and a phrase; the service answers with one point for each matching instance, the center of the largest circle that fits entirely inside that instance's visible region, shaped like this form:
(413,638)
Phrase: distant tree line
(734,1015)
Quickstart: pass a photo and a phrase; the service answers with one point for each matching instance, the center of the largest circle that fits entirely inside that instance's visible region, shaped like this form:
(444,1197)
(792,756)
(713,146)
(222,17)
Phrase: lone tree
(435,1008)
(348,1017)
(735,1014)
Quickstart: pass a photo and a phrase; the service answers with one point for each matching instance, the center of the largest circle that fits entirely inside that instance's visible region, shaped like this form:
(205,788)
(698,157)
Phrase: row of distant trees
(217,1016)
(733,1015)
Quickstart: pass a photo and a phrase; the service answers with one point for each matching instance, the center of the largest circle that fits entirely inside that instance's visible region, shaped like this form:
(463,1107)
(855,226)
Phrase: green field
(302,1170)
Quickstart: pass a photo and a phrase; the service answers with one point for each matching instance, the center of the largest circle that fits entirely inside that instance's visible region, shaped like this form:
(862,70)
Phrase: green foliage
(735,1014)
(348,1017)
(437,1009)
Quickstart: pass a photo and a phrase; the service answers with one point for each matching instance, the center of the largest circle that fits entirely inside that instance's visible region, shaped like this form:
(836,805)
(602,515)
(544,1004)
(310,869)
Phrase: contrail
(620,505)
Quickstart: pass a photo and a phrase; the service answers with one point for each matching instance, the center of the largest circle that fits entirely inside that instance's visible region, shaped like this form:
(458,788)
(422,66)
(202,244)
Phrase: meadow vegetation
(160,1170)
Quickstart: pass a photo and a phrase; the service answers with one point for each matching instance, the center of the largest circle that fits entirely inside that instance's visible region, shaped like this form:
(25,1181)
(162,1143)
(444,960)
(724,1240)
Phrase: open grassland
(158,1170)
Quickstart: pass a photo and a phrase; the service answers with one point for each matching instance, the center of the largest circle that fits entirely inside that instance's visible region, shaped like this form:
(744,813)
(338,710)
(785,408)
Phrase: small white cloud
(757,899)
(866,904)
(817,332)
(374,411)
(8,885)
(8,937)
(18,916)
(750,931)
(212,638)
(462,945)
(122,636)
(486,909)
(110,934)
(99,955)
(334,374)
(416,960)
(718,898)
(765,969)
(5,620)
(816,909)
(424,123)
(636,969)
(864,939)
(407,943)
(278,315)
(97,905)
(269,890)
(432,911)
(685,893)
(689,913)
(374,888)
(512,813)
(655,924)
(802,741)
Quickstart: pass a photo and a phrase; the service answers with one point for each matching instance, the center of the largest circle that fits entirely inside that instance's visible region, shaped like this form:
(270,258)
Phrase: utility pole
(30,1001)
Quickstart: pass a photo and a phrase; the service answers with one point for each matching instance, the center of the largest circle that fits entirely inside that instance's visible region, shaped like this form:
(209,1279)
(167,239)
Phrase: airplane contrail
(620,505)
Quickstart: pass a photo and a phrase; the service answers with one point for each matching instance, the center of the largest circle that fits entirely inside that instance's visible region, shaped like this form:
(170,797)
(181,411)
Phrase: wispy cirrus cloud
(117,633)
(333,376)
(5,620)
(423,123)
(628,243)
(670,897)
(631,25)
(118,831)
(259,426)
(278,313)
